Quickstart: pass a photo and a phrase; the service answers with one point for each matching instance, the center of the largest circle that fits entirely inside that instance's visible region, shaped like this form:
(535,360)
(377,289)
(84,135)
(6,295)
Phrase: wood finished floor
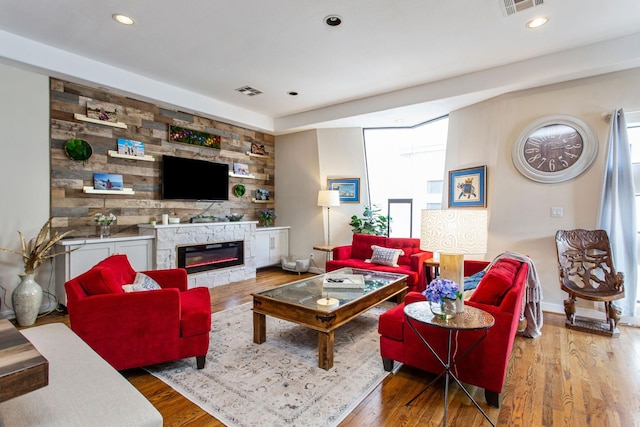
(564,378)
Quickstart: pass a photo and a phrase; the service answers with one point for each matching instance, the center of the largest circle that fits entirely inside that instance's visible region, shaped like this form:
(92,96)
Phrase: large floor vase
(27,299)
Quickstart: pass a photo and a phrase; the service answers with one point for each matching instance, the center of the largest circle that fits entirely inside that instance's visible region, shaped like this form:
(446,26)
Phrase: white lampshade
(328,198)
(453,233)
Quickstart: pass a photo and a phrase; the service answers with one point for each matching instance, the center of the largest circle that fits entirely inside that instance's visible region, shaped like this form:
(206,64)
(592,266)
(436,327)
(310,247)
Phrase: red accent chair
(500,293)
(139,328)
(411,263)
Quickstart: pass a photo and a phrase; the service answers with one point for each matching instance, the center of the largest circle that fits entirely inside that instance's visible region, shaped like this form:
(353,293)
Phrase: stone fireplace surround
(168,237)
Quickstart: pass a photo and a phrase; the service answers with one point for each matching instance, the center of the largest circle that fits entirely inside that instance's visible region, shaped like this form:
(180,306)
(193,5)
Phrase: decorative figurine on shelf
(442,295)
(267,217)
(103,224)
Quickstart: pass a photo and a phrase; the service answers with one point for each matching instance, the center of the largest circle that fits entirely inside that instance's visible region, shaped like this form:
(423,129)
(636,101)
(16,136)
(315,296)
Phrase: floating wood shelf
(84,118)
(264,156)
(262,201)
(123,192)
(146,157)
(242,176)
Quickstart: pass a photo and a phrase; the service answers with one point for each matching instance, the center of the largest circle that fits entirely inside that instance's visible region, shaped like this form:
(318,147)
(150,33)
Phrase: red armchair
(500,293)
(139,328)
(410,263)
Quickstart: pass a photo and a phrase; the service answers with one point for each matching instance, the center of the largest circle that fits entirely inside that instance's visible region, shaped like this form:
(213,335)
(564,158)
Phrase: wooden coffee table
(22,367)
(298,302)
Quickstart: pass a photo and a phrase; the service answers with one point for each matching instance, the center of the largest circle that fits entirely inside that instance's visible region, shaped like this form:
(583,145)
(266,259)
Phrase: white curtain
(618,210)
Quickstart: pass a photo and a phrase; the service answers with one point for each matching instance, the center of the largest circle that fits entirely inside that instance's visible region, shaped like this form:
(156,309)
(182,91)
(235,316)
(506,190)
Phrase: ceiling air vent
(249,91)
(509,7)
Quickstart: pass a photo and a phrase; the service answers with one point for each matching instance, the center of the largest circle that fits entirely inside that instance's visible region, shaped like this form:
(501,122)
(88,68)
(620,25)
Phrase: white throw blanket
(531,307)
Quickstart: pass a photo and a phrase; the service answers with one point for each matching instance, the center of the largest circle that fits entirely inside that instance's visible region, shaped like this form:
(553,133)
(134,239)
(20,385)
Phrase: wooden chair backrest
(585,263)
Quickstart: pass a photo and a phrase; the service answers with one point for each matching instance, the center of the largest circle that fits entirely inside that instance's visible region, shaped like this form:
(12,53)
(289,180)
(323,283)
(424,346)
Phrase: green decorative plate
(238,190)
(78,149)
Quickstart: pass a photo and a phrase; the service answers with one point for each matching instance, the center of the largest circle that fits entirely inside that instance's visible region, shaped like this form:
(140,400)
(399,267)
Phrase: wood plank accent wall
(71,208)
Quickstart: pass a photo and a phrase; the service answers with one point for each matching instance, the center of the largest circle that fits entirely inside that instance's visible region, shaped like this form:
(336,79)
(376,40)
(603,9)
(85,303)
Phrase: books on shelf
(343,281)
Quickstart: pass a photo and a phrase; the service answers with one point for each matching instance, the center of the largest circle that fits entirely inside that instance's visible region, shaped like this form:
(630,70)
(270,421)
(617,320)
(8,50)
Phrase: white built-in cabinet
(272,243)
(88,252)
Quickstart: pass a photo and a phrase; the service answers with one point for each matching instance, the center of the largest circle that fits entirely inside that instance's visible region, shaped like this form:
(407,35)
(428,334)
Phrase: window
(407,163)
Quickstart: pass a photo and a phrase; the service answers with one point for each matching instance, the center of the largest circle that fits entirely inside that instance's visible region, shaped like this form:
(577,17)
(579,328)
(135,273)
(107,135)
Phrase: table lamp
(454,233)
(326,199)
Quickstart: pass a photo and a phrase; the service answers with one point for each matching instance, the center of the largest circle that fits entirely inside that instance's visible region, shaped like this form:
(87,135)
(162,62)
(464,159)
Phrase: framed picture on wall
(349,188)
(468,188)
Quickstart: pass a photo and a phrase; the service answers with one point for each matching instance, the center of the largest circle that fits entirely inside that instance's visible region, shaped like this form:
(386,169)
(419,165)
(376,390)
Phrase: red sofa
(411,263)
(500,293)
(139,328)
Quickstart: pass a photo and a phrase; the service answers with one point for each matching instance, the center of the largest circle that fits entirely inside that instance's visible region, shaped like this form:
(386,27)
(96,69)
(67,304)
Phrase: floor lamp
(454,233)
(326,199)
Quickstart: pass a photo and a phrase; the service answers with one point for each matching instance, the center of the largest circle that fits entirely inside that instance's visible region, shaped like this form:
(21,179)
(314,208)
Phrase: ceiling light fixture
(123,19)
(333,20)
(293,93)
(249,91)
(537,22)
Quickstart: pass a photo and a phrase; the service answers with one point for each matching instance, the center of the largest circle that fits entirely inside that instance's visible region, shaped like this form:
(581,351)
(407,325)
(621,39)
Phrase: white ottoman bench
(84,390)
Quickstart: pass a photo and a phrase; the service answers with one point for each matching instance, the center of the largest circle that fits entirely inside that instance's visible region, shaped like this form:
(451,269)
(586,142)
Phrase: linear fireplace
(210,256)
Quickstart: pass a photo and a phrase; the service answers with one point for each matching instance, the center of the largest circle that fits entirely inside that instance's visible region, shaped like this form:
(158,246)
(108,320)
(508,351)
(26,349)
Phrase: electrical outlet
(311,256)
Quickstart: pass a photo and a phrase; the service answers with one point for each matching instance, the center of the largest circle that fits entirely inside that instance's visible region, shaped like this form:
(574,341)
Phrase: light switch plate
(557,212)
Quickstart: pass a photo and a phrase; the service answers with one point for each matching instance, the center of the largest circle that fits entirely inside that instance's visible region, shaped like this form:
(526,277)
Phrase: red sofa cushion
(108,276)
(361,245)
(496,283)
(393,324)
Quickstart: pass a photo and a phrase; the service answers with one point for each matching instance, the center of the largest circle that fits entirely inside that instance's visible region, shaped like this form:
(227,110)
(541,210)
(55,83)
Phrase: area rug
(278,383)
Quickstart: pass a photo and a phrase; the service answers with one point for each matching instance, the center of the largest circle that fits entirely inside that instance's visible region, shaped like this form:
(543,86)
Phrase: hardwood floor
(564,378)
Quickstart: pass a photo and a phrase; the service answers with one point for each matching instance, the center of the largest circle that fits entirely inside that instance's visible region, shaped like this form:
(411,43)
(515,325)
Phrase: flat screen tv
(192,179)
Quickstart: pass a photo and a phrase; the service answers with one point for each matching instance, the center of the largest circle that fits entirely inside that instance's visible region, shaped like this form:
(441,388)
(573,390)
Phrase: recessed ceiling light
(123,19)
(249,91)
(537,22)
(293,93)
(333,20)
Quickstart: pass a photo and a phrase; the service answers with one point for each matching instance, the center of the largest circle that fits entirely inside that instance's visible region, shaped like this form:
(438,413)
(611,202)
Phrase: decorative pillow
(97,281)
(385,256)
(143,282)
(495,284)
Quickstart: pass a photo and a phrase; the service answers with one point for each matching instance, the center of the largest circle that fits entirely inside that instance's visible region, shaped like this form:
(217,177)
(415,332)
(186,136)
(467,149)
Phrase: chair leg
(200,361)
(388,364)
(493,398)
(570,309)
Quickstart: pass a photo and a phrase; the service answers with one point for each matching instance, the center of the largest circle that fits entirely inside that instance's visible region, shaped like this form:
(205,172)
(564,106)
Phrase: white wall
(519,209)
(304,160)
(24,167)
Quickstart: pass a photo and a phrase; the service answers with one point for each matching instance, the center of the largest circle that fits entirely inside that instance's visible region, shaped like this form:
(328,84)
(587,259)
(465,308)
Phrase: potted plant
(103,224)
(27,296)
(372,222)
(267,216)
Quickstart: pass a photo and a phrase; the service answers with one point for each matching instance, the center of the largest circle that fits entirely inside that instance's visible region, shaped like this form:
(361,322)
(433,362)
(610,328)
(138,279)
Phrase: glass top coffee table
(305,302)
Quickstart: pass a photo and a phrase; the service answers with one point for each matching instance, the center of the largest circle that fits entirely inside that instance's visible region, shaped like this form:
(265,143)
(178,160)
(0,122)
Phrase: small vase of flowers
(442,295)
(103,224)
(267,216)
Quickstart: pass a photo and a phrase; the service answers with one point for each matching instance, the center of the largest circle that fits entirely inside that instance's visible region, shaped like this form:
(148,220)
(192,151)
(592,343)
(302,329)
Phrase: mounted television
(192,179)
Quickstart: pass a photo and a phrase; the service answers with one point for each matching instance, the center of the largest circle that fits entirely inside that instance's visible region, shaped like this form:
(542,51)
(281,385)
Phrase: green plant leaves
(370,223)
(78,149)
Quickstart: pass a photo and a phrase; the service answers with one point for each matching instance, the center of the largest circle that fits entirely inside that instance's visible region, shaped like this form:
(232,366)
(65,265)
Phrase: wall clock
(554,149)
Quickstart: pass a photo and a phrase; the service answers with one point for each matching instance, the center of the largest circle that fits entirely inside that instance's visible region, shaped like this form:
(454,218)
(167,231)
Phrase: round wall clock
(554,148)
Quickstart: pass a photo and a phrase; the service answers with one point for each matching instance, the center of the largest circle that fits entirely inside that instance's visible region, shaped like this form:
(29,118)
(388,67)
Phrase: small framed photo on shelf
(468,187)
(102,111)
(262,194)
(258,149)
(240,169)
(107,181)
(130,147)
(349,188)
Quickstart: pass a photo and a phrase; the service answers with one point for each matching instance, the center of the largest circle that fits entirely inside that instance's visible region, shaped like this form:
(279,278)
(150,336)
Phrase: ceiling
(390,63)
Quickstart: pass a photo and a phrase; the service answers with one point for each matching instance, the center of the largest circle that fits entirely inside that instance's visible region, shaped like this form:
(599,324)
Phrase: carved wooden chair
(586,271)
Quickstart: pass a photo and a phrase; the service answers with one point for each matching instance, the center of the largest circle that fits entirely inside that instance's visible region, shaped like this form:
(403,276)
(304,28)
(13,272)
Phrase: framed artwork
(193,137)
(102,111)
(349,188)
(107,181)
(468,188)
(262,194)
(130,148)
